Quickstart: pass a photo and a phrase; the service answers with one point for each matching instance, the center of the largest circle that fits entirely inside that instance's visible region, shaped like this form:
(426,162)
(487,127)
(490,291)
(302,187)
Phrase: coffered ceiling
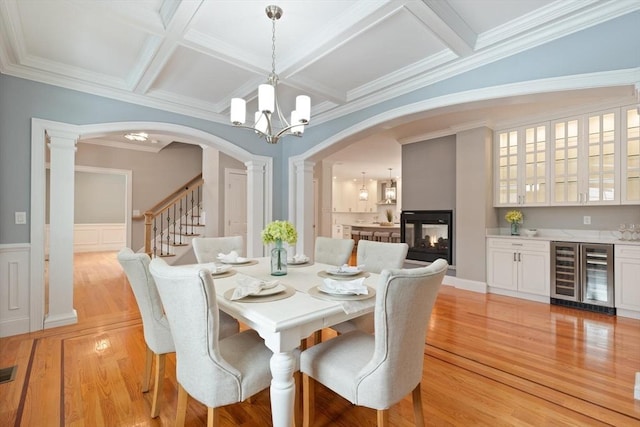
(193,56)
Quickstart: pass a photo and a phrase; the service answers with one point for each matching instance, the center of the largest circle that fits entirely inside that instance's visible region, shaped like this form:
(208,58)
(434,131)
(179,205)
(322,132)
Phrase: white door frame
(227,197)
(259,193)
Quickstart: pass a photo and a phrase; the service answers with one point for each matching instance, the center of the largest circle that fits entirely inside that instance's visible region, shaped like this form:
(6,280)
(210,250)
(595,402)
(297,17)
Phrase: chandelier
(364,193)
(268,107)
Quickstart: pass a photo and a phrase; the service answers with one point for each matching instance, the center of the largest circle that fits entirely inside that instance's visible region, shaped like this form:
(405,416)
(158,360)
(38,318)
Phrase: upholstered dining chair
(207,249)
(373,257)
(212,370)
(157,334)
(377,371)
(333,251)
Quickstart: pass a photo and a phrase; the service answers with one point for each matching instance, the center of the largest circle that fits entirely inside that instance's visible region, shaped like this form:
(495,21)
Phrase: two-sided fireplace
(429,234)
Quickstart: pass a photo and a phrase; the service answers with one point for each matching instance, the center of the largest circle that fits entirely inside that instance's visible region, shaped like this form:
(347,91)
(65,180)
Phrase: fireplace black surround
(429,234)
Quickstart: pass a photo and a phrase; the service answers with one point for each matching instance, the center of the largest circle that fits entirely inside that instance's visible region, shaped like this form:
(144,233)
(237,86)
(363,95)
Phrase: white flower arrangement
(279,230)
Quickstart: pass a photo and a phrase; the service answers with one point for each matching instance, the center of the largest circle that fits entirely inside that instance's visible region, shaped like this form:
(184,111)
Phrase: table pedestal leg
(283,389)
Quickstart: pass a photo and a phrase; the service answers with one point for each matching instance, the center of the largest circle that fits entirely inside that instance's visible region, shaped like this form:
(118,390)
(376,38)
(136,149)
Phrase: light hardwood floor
(489,361)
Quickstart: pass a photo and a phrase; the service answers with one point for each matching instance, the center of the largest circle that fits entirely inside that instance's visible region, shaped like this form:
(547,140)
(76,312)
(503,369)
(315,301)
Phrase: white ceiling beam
(153,63)
(446,24)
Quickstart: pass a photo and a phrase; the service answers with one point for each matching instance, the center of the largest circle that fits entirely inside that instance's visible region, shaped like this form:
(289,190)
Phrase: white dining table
(285,322)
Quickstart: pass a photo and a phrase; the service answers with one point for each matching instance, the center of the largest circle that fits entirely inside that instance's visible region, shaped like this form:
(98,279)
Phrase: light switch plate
(21,217)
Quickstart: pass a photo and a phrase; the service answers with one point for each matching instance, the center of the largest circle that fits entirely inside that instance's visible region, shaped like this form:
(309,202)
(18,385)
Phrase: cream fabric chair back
(207,249)
(379,370)
(213,371)
(157,333)
(376,256)
(404,303)
(333,251)
(155,326)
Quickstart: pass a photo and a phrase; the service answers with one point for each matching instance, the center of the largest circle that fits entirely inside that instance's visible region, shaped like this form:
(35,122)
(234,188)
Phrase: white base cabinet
(519,268)
(627,282)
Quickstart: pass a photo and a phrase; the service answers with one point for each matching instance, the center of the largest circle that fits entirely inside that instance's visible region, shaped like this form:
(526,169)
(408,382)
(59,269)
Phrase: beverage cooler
(582,276)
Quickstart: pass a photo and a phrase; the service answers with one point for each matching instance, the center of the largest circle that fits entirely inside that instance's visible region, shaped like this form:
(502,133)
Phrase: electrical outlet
(586,220)
(21,218)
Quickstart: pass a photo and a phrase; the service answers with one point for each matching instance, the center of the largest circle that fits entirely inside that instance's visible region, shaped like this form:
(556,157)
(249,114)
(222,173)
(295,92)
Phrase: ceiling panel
(216,79)
(89,42)
(485,15)
(376,52)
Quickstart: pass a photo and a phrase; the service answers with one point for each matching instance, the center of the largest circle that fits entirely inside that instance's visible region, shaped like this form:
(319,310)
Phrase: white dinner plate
(221,269)
(338,272)
(292,262)
(238,261)
(326,290)
(315,292)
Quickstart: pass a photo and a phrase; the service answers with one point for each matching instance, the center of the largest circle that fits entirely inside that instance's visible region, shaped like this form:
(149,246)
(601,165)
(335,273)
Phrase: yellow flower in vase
(515,219)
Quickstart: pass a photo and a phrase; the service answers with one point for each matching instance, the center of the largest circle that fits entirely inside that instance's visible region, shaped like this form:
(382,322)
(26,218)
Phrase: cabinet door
(627,271)
(534,170)
(630,156)
(502,268)
(600,180)
(565,162)
(336,196)
(521,173)
(533,272)
(506,170)
(585,160)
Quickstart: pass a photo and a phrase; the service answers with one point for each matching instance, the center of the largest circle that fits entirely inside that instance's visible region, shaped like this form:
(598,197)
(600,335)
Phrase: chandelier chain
(273,47)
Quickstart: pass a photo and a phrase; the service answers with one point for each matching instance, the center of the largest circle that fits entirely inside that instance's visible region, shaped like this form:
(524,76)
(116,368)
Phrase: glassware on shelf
(632,230)
(622,229)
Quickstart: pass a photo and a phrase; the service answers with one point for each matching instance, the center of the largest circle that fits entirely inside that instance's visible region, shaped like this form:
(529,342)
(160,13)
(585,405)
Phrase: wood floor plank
(490,360)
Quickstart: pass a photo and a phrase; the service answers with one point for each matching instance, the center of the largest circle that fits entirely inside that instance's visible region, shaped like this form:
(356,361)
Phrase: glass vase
(515,229)
(278,260)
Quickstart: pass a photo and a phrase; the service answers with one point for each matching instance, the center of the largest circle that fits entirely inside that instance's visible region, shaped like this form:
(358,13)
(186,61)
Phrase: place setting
(342,290)
(222,270)
(232,258)
(343,272)
(298,260)
(249,289)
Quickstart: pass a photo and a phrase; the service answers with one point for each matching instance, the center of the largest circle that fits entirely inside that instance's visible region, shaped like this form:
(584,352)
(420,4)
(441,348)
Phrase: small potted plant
(389,214)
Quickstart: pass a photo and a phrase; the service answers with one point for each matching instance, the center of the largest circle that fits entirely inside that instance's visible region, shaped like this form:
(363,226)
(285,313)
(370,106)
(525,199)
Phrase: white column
(304,205)
(258,205)
(211,191)
(62,146)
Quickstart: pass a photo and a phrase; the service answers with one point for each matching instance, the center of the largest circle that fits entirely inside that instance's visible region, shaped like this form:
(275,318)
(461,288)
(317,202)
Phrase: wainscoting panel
(14,289)
(96,237)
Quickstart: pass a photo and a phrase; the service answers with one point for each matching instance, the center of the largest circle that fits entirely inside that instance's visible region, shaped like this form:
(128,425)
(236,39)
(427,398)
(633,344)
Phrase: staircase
(170,226)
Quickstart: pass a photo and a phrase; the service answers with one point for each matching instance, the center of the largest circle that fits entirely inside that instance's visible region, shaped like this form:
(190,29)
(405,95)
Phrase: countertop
(372,225)
(580,236)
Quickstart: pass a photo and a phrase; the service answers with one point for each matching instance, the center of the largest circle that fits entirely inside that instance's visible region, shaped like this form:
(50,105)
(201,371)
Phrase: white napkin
(230,257)
(298,258)
(345,287)
(250,286)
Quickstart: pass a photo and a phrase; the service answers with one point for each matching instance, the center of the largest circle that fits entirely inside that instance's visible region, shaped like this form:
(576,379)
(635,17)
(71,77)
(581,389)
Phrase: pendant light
(364,193)
(389,191)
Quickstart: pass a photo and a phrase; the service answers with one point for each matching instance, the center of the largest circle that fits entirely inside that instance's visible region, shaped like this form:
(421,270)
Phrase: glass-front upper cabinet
(521,172)
(585,160)
(630,155)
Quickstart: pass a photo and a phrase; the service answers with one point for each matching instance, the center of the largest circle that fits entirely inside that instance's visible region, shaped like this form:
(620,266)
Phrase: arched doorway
(62,138)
